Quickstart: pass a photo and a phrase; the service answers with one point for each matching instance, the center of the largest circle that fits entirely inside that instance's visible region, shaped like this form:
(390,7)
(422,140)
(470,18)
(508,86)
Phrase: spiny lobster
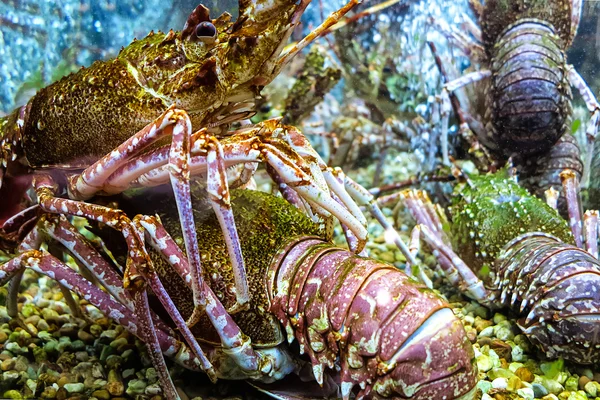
(527,96)
(385,332)
(77,136)
(508,248)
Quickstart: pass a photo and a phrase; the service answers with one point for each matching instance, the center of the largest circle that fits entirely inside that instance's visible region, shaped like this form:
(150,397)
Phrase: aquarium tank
(299,199)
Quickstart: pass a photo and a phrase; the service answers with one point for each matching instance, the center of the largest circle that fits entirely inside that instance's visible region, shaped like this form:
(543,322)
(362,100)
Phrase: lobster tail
(393,337)
(556,285)
(530,97)
(538,174)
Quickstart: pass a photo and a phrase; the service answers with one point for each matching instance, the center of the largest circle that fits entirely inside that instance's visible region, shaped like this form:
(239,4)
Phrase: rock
(12,394)
(480,324)
(136,386)
(153,390)
(525,374)
(484,363)
(526,393)
(21,364)
(8,364)
(151,375)
(101,394)
(539,390)
(42,325)
(487,332)
(85,336)
(514,383)
(500,383)
(115,384)
(74,387)
(499,373)
(591,389)
(3,337)
(571,383)
(517,354)
(484,386)
(504,331)
(498,318)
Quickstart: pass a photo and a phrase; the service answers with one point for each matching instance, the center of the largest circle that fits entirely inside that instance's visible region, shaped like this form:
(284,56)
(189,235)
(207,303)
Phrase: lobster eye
(206,32)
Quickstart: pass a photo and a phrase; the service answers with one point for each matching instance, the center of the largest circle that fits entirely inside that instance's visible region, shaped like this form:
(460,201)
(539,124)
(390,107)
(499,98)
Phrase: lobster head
(216,66)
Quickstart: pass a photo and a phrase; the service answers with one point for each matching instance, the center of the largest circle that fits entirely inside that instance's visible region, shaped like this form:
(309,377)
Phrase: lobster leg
(235,343)
(174,123)
(571,191)
(453,266)
(590,224)
(592,130)
(137,256)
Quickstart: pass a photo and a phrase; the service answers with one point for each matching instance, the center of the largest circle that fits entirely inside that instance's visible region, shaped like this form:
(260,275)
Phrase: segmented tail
(554,288)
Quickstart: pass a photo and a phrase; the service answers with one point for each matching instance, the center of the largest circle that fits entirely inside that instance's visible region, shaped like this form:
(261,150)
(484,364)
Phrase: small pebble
(8,364)
(571,383)
(74,387)
(136,386)
(539,391)
(3,337)
(487,332)
(12,394)
(101,394)
(526,393)
(500,383)
(591,389)
(42,325)
(525,374)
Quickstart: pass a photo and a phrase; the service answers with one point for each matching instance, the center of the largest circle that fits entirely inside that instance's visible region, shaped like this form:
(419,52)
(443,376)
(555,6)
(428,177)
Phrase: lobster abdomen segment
(393,337)
(558,289)
(530,97)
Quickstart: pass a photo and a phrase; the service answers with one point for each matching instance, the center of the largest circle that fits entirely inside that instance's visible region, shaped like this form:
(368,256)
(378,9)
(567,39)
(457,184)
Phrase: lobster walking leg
(175,123)
(235,343)
(453,266)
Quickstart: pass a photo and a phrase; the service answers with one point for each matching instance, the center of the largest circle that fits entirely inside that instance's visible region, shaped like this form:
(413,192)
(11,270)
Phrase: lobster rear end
(529,100)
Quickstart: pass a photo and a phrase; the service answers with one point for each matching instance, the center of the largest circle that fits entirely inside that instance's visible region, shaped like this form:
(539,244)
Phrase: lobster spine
(530,96)
(556,285)
(378,321)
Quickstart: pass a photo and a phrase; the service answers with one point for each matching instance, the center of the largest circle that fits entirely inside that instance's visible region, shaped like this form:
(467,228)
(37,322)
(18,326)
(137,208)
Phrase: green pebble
(14,336)
(498,318)
(526,393)
(106,351)
(39,354)
(118,342)
(21,364)
(78,345)
(136,386)
(151,375)
(484,386)
(50,347)
(74,387)
(15,348)
(12,394)
(487,332)
(579,395)
(28,310)
(113,361)
(499,373)
(572,383)
(517,354)
(552,386)
(128,373)
(484,363)
(591,389)
(10,376)
(45,336)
